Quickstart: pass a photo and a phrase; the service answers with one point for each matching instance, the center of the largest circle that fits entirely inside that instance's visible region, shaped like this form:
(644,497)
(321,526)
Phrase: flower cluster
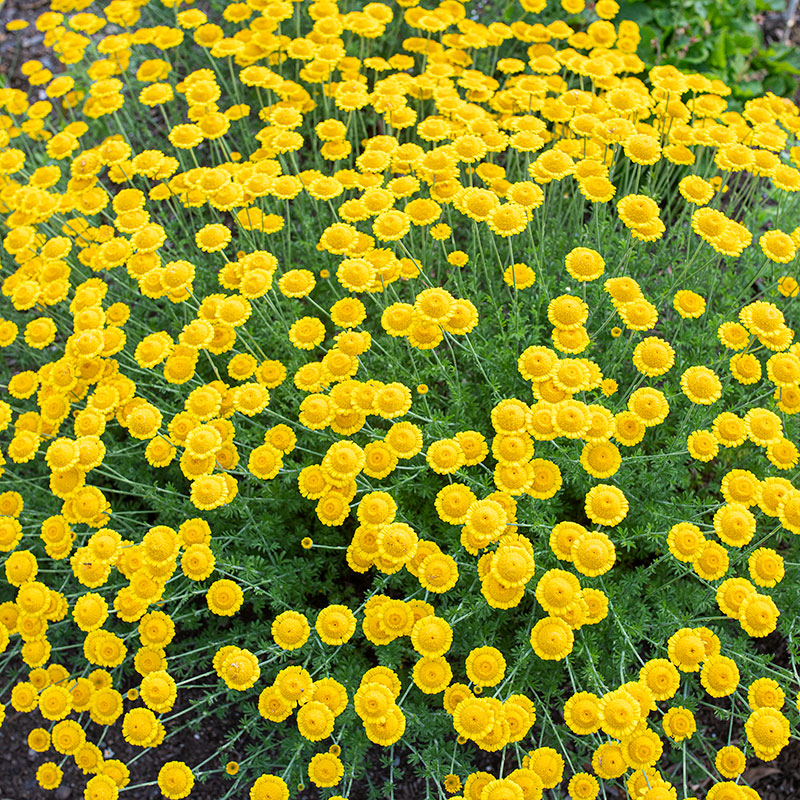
(400,377)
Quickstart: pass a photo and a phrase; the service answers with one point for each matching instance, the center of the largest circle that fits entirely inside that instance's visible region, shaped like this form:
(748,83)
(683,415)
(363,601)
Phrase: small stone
(63,792)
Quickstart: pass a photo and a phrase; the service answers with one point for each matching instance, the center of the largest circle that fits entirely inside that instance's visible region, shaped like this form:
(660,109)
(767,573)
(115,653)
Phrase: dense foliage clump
(411,394)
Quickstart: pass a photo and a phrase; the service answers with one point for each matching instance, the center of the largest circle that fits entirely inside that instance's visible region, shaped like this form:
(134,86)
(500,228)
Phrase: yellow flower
(175,780)
(224,597)
(679,723)
(552,639)
(689,305)
(584,264)
(730,761)
(485,666)
(335,624)
(325,770)
(787,286)
(49,775)
(696,190)
(519,276)
(778,246)
(702,445)
(701,385)
(606,505)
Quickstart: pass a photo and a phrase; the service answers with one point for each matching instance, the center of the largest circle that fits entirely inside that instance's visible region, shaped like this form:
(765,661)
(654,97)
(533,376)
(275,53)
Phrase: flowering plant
(397,383)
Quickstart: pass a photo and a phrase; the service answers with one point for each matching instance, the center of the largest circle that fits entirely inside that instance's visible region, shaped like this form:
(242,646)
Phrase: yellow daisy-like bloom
(685,541)
(702,445)
(224,597)
(537,363)
(432,675)
(719,676)
(389,730)
(696,190)
(325,770)
(431,636)
(485,666)
(689,305)
(453,501)
(686,650)
(653,356)
(315,721)
(608,762)
(679,723)
(519,276)
(582,713)
(783,369)
(297,283)
(765,693)
(642,749)
(290,630)
(335,624)
(637,210)
(766,567)
(584,264)
(175,780)
(784,453)
(729,430)
(788,286)
(763,427)
(649,405)
(547,763)
(745,368)
(563,536)
(778,246)
(597,189)
(445,456)
(438,573)
(735,524)
(606,505)
(638,315)
(768,732)
(642,149)
(508,219)
(213,238)
(307,333)
(269,787)
(552,639)
(239,669)
(49,775)
(620,713)
(741,486)
(567,312)
(731,594)
(758,615)
(545,479)
(390,226)
(730,761)
(54,703)
(701,385)
(593,553)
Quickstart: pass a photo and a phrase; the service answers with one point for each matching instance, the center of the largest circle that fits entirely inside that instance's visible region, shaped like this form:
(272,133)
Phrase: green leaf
(637,12)
(718,56)
(744,42)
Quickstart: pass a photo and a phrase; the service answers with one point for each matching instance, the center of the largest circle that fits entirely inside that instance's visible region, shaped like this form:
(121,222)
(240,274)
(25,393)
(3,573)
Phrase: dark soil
(18,763)
(16,47)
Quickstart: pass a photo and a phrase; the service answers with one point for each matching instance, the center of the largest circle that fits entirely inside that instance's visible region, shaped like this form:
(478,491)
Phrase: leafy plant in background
(718,37)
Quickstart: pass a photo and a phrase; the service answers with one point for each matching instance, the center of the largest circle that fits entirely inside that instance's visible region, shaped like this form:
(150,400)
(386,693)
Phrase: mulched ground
(18,763)
(19,46)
